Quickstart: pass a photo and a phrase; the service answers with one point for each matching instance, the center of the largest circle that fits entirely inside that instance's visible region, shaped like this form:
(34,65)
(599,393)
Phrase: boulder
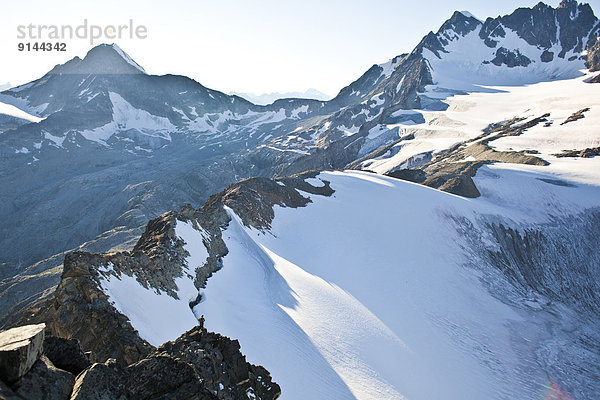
(20,348)
(101,382)
(66,354)
(45,381)
(6,393)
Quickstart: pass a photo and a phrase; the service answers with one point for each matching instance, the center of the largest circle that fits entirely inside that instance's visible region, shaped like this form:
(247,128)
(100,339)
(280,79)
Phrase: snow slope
(11,110)
(364,294)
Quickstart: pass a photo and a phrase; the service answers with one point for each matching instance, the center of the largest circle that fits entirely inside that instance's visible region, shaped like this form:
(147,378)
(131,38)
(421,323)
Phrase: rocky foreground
(198,365)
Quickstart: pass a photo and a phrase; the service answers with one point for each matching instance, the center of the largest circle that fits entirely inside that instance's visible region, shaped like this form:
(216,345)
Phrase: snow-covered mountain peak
(530,45)
(468,14)
(461,23)
(127,58)
(104,59)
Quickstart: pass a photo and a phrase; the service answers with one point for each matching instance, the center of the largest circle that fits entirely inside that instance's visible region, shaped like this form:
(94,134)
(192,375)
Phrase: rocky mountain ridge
(198,365)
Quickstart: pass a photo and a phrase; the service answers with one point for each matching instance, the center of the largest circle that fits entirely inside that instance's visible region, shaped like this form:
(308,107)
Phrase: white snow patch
(316,182)
(469,15)
(157,317)
(125,117)
(57,140)
(13,111)
(302,109)
(194,243)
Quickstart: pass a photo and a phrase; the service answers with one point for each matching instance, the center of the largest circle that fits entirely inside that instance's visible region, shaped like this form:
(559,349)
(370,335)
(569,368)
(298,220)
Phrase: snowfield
(468,114)
(365,295)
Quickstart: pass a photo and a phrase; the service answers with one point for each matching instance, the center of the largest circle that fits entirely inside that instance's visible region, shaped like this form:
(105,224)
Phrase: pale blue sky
(247,46)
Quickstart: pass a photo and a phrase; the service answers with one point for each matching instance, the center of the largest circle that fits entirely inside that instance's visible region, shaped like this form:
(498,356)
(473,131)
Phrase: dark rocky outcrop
(66,354)
(547,56)
(199,365)
(593,56)
(224,369)
(45,381)
(510,58)
(164,376)
(576,116)
(585,153)
(101,381)
(82,311)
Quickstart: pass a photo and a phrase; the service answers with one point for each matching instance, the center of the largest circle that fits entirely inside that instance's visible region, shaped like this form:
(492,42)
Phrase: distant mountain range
(268,98)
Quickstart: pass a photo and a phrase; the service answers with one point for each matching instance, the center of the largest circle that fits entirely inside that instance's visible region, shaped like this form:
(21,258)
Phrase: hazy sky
(246,46)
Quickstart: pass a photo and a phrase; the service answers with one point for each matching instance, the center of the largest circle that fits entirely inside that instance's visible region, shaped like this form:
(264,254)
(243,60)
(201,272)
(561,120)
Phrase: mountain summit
(100,60)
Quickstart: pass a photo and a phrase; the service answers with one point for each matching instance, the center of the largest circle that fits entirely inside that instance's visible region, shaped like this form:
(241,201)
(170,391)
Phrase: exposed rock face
(224,369)
(6,393)
(585,153)
(66,354)
(576,116)
(100,381)
(198,365)
(593,56)
(81,312)
(510,58)
(20,348)
(166,377)
(252,200)
(45,381)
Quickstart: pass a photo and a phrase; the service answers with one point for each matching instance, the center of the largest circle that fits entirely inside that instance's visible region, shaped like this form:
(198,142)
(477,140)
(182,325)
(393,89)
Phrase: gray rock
(45,381)
(19,350)
(66,354)
(165,376)
(593,56)
(6,393)
(222,367)
(100,382)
